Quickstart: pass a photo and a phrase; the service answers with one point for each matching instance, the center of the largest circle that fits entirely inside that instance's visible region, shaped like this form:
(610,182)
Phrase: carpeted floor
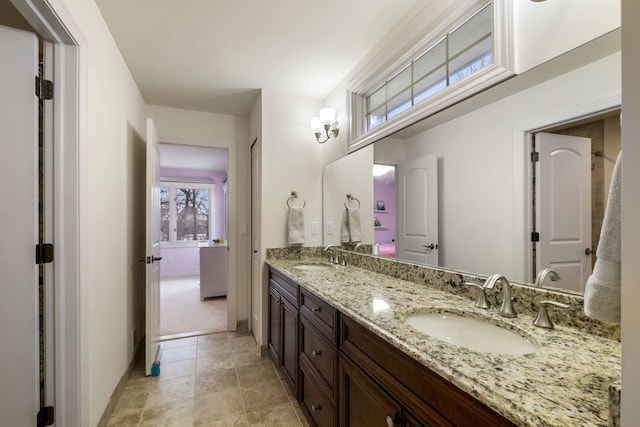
(182,312)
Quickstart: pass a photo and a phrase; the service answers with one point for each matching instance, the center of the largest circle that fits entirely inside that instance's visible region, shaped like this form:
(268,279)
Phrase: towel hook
(351,198)
(294,195)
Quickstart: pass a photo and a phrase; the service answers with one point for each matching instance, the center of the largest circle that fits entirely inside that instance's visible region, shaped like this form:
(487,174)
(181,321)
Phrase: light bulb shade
(316,125)
(327,116)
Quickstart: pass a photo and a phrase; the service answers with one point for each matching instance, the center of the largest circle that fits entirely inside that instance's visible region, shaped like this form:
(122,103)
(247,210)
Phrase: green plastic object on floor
(155,369)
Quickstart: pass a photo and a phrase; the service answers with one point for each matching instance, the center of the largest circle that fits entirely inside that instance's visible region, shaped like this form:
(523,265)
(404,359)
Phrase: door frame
(522,173)
(55,26)
(232,217)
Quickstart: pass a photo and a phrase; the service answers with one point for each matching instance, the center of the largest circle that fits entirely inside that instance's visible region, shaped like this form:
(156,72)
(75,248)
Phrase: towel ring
(294,195)
(350,198)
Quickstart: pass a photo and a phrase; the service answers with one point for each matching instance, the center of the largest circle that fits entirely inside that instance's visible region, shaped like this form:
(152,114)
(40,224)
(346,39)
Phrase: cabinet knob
(390,422)
(316,309)
(315,408)
(316,353)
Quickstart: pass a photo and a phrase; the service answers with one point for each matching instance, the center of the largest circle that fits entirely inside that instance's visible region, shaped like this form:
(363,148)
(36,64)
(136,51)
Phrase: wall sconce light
(326,124)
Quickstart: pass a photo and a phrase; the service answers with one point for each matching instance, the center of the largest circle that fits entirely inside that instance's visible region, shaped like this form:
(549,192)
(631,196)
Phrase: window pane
(430,60)
(376,99)
(430,85)
(470,61)
(192,212)
(399,104)
(469,33)
(398,83)
(376,118)
(164,214)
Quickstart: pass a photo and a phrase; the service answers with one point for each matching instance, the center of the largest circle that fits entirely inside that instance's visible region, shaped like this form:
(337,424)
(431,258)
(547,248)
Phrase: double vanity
(382,342)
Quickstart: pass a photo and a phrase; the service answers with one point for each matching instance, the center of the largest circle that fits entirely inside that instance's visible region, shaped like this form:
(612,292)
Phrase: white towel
(296,226)
(355,231)
(602,294)
(344,227)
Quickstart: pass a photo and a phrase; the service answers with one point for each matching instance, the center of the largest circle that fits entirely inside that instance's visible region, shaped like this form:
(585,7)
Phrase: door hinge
(46,416)
(535,236)
(535,156)
(44,253)
(44,89)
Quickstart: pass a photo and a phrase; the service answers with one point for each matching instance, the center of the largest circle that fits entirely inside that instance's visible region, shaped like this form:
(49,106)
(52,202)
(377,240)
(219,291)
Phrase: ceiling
(215,55)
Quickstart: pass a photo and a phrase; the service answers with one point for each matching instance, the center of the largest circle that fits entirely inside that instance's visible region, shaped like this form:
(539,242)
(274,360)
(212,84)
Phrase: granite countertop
(566,383)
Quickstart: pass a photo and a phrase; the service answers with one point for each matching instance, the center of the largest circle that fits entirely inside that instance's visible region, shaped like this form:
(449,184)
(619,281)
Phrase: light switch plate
(315,227)
(244,229)
(328,228)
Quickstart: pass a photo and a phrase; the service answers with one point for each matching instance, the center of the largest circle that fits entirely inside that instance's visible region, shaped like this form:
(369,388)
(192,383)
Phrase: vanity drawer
(288,289)
(315,403)
(320,354)
(322,315)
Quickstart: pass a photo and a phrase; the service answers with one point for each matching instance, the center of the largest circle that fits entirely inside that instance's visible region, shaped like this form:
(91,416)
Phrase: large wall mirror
(459,189)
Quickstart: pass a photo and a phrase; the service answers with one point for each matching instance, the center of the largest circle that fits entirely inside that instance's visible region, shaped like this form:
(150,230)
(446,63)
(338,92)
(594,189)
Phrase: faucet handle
(542,319)
(481,302)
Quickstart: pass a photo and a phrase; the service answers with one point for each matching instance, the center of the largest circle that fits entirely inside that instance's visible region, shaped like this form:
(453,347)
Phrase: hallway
(210,380)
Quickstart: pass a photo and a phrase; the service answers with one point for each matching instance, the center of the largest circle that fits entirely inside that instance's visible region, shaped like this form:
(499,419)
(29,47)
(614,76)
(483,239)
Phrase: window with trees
(186,212)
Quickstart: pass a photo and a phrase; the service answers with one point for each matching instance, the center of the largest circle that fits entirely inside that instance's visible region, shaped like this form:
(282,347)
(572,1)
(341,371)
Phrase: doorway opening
(571,232)
(194,240)
(384,210)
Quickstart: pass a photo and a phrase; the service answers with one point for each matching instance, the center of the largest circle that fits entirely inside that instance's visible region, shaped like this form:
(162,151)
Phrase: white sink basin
(474,334)
(313,267)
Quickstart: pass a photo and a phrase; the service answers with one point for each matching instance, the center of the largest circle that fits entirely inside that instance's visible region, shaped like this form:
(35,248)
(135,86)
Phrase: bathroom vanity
(340,338)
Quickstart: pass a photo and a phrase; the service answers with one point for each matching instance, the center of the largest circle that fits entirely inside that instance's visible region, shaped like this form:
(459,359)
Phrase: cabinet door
(289,355)
(275,325)
(363,402)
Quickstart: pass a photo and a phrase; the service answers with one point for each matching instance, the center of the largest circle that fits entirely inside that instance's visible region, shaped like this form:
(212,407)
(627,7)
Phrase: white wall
(630,212)
(199,128)
(544,30)
(112,209)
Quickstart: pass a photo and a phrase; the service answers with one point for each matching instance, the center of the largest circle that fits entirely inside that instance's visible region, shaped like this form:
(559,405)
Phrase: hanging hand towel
(355,232)
(602,294)
(296,226)
(344,227)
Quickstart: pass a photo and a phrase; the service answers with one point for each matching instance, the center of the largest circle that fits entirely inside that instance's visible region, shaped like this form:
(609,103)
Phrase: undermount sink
(471,333)
(313,267)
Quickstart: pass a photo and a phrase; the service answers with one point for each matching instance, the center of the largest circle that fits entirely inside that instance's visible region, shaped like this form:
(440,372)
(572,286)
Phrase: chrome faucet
(542,319)
(332,255)
(481,302)
(506,309)
(543,275)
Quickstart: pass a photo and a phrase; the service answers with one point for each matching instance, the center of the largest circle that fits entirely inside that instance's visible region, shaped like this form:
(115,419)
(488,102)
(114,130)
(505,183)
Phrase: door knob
(430,246)
(588,251)
(154,259)
(142,259)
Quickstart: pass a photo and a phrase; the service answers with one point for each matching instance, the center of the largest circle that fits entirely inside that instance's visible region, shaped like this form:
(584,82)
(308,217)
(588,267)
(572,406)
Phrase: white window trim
(172,186)
(392,61)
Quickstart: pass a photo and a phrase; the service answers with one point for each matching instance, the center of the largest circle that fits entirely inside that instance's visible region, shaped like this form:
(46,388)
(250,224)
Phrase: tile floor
(210,380)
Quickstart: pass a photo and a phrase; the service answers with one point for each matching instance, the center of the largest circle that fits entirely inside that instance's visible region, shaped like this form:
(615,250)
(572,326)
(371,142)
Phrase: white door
(563,208)
(418,210)
(19,352)
(152,252)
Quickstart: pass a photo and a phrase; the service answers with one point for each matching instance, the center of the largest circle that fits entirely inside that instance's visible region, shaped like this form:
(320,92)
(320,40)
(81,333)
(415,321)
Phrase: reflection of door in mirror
(418,201)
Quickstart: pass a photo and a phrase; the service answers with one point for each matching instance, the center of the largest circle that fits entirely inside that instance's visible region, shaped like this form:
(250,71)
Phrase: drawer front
(322,315)
(288,289)
(317,406)
(321,355)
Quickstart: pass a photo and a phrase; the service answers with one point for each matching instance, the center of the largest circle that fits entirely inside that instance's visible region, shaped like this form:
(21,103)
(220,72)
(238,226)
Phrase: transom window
(185,212)
(461,52)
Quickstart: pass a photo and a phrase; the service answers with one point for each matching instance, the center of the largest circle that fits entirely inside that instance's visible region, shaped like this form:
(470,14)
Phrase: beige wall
(199,128)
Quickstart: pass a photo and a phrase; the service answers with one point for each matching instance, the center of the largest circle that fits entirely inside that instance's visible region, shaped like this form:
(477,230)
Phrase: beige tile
(132,398)
(234,421)
(139,378)
(257,373)
(216,380)
(263,395)
(175,389)
(217,406)
(243,343)
(178,413)
(181,342)
(248,358)
(213,347)
(180,368)
(217,337)
(240,333)
(275,416)
(207,364)
(179,353)
(125,419)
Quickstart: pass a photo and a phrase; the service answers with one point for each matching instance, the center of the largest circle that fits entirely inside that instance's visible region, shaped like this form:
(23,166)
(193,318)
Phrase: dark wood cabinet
(283,328)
